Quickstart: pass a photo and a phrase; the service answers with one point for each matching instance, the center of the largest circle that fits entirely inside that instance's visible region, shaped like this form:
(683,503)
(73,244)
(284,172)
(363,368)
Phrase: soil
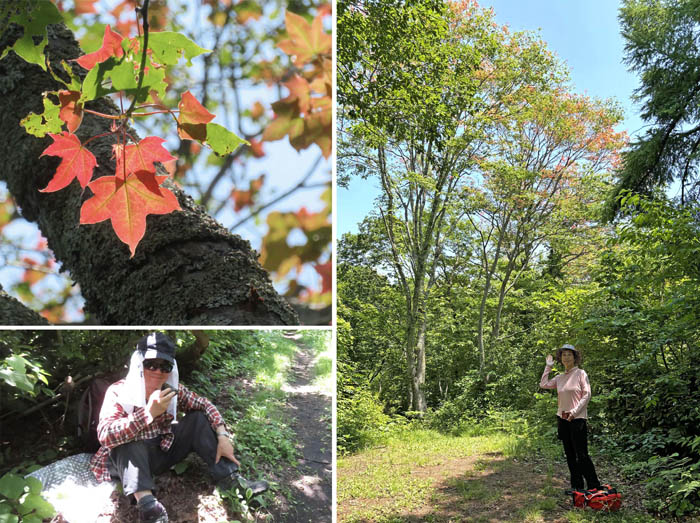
(311,481)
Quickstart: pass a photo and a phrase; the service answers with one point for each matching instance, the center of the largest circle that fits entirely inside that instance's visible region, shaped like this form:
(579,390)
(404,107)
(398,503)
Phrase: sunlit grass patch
(323,365)
(473,490)
(622,516)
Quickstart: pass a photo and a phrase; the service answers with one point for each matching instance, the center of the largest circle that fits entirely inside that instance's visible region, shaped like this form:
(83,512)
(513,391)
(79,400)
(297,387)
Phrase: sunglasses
(163,366)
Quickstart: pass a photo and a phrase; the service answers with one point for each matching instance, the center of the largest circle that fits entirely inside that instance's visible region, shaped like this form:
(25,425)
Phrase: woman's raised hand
(550,360)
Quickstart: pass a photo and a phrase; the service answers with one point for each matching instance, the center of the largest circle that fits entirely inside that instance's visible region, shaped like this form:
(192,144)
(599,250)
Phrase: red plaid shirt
(116,427)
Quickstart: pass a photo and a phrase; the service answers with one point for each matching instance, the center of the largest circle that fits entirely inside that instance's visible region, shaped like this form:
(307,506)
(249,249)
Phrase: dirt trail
(483,487)
(310,410)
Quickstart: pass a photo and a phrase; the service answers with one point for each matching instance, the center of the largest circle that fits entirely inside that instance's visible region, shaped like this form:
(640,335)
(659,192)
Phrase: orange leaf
(298,90)
(111,46)
(85,6)
(127,203)
(191,124)
(244,199)
(71,112)
(77,161)
(325,271)
(256,148)
(306,41)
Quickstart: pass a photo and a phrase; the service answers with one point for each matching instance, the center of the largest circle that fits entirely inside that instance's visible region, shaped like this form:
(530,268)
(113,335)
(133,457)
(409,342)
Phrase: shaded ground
(481,487)
(311,480)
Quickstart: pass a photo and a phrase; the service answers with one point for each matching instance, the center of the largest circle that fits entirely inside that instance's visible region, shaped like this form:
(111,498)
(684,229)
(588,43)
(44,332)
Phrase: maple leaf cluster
(305,115)
(135,189)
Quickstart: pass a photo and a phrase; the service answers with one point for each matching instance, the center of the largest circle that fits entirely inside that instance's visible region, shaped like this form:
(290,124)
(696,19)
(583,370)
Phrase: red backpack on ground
(89,413)
(605,498)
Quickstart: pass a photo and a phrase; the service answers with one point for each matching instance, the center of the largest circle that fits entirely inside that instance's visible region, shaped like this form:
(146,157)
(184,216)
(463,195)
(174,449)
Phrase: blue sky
(585,34)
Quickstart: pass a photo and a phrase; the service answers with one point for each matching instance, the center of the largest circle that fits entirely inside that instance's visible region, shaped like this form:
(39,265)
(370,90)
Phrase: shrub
(361,421)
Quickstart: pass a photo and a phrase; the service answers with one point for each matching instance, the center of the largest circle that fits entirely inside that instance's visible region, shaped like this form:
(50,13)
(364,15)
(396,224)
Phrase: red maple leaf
(77,161)
(127,203)
(71,112)
(191,124)
(140,156)
(111,46)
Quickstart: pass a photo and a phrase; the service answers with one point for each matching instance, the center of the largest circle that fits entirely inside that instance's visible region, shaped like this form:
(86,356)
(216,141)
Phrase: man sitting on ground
(140,436)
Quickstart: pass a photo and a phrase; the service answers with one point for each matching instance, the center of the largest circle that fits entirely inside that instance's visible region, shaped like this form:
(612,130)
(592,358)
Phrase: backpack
(605,498)
(89,413)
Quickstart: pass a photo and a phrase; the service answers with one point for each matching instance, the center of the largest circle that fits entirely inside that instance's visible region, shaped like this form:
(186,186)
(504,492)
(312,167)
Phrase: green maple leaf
(34,23)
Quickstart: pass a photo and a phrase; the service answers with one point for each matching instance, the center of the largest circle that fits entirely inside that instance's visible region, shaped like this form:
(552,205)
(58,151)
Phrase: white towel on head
(135,390)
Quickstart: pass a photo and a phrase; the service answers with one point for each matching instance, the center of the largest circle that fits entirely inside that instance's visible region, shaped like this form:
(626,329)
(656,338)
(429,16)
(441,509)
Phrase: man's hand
(225,449)
(550,360)
(159,401)
(567,416)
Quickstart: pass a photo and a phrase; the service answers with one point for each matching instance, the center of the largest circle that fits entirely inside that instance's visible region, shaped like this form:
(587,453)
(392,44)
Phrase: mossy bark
(188,269)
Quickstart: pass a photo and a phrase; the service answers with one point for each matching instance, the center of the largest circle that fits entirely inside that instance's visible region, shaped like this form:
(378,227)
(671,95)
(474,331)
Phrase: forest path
(436,478)
(310,411)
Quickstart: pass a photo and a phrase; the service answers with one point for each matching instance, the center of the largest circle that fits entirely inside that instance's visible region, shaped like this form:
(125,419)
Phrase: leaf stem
(144,15)
(97,136)
(154,112)
(110,116)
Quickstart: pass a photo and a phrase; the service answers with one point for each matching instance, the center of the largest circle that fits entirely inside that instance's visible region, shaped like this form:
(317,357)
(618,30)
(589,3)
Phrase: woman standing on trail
(573,392)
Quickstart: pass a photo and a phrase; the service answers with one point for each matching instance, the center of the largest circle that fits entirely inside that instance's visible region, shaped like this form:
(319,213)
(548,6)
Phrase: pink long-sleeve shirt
(573,390)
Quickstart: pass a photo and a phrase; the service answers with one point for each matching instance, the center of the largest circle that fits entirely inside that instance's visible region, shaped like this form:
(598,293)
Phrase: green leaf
(47,122)
(123,76)
(34,502)
(16,379)
(12,486)
(34,485)
(221,140)
(32,519)
(168,47)
(34,23)
(180,467)
(8,518)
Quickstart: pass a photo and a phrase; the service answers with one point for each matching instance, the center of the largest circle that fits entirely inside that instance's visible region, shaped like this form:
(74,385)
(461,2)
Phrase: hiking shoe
(151,510)
(236,480)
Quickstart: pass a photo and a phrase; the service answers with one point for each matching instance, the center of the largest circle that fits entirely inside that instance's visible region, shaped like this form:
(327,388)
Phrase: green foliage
(20,500)
(360,419)
(17,371)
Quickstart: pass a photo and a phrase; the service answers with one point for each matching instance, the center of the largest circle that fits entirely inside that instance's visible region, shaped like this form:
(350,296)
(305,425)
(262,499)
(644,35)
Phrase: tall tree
(419,85)
(541,179)
(663,47)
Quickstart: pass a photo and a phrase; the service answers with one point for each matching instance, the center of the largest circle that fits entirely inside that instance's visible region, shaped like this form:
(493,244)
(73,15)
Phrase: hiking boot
(151,510)
(568,492)
(236,480)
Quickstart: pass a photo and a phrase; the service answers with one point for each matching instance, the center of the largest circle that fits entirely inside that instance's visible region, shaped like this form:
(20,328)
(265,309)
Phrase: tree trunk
(12,312)
(187,270)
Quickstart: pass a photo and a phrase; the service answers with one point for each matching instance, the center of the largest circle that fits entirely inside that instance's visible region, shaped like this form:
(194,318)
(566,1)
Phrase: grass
(478,475)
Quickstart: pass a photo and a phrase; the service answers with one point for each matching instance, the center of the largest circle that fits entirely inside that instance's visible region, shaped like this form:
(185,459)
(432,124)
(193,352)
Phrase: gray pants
(136,462)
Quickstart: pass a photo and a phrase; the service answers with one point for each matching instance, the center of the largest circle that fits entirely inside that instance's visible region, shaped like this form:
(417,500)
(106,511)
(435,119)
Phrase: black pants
(574,437)
(136,463)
